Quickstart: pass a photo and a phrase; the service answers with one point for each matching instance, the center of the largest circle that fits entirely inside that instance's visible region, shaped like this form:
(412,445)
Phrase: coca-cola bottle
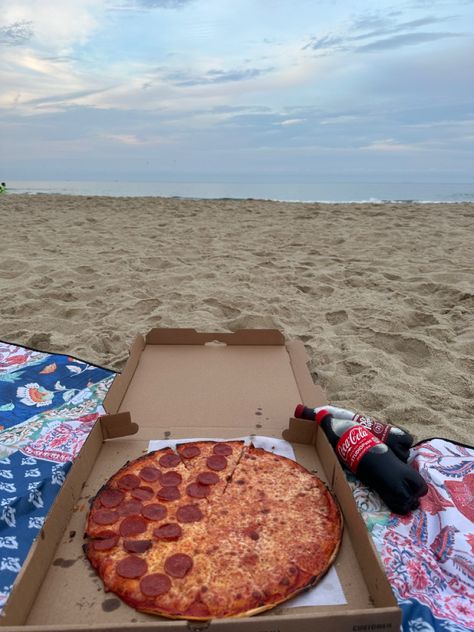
(398,439)
(373,462)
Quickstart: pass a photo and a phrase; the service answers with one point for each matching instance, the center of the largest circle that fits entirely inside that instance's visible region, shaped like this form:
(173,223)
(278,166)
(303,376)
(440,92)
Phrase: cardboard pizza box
(179,383)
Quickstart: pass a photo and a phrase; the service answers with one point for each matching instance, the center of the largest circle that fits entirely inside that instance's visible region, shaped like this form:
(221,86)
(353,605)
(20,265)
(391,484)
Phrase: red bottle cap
(321,414)
(299,411)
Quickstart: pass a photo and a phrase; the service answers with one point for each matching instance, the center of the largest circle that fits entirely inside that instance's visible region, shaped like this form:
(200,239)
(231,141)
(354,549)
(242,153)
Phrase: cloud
(125,139)
(295,121)
(376,27)
(390,145)
(384,25)
(230,109)
(326,42)
(342,119)
(150,4)
(52,25)
(215,76)
(16,33)
(407,39)
(62,99)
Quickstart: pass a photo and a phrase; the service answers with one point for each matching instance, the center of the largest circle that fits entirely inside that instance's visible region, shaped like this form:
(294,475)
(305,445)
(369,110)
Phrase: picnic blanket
(49,403)
(428,555)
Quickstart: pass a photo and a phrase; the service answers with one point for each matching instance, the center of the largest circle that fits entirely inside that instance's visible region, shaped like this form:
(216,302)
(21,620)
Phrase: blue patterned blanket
(49,403)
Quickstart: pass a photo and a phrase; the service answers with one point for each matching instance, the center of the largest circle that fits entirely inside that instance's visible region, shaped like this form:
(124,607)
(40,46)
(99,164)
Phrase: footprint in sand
(40,341)
(145,307)
(11,268)
(85,270)
(411,351)
(320,291)
(353,368)
(420,319)
(253,321)
(335,318)
(227,310)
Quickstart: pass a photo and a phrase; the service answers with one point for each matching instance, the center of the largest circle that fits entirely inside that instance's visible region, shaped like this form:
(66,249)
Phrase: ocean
(427,192)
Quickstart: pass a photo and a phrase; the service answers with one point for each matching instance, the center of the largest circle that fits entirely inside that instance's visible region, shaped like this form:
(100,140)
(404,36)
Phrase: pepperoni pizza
(211,530)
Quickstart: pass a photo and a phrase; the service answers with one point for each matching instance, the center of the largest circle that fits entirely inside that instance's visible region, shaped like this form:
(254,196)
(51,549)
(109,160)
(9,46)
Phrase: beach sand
(382,295)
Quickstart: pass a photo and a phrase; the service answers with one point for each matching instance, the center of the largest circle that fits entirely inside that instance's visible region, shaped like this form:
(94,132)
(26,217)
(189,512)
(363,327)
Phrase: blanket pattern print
(429,555)
(48,405)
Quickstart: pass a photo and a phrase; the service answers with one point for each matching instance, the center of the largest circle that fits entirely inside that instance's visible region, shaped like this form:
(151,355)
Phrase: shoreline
(321,191)
(240,199)
(370,202)
(380,293)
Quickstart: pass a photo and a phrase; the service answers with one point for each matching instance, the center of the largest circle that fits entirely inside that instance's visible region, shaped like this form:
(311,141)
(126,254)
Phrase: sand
(381,294)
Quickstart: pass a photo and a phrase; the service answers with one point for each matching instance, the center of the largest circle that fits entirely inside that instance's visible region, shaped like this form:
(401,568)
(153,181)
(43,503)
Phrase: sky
(244,90)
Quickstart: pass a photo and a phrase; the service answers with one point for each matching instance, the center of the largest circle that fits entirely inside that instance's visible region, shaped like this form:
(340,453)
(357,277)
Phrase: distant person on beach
(3,187)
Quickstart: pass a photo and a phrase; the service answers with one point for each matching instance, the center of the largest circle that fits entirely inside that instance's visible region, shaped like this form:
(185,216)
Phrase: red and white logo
(353,444)
(376,427)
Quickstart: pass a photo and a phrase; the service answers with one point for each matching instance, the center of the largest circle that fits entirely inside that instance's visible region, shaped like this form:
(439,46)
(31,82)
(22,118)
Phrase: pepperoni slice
(129,507)
(105,516)
(131,567)
(155,584)
(207,478)
(106,544)
(170,531)
(178,565)
(132,525)
(169,460)
(216,462)
(106,533)
(143,493)
(111,497)
(170,492)
(189,513)
(223,449)
(129,481)
(190,451)
(171,479)
(136,546)
(196,490)
(154,511)
(150,474)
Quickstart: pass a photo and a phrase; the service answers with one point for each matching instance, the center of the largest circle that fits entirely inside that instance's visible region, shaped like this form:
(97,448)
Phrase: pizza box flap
(186,384)
(118,425)
(172,336)
(161,336)
(181,378)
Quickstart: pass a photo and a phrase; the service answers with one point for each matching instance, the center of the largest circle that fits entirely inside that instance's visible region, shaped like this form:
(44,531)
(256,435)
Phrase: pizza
(211,530)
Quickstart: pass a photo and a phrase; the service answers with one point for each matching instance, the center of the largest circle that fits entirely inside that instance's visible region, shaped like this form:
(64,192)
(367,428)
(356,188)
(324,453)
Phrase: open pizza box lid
(179,383)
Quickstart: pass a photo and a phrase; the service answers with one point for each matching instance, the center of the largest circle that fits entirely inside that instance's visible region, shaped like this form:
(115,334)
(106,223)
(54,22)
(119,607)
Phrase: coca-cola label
(377,428)
(353,444)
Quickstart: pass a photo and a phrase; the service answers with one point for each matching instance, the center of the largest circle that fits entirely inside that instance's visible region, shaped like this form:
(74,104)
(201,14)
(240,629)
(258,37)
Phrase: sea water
(307,192)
